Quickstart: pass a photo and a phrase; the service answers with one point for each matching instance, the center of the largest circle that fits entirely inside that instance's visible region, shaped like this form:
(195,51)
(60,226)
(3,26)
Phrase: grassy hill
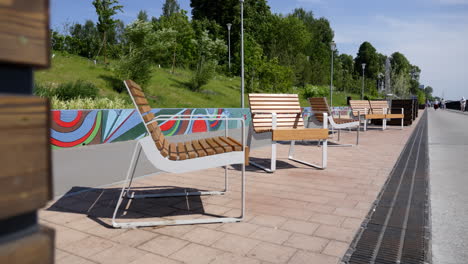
(165,90)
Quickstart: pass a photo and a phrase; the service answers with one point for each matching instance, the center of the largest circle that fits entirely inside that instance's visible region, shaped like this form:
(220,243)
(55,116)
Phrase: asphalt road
(448,156)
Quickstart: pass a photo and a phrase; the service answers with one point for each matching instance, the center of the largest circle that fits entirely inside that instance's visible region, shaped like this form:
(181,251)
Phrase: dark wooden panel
(25,175)
(24,32)
(34,248)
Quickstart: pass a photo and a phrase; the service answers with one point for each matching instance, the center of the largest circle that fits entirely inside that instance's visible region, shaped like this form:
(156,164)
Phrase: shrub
(71,90)
(135,66)
(315,91)
(42,90)
(203,75)
(89,103)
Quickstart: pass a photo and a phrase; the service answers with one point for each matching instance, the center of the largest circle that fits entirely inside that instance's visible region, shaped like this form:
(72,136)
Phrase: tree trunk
(174,60)
(105,47)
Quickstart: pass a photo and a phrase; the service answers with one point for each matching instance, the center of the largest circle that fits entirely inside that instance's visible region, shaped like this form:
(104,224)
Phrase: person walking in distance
(462,104)
(442,103)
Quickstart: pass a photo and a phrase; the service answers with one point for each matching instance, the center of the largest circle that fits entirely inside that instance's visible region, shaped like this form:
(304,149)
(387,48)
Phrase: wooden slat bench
(319,106)
(281,114)
(363,109)
(181,157)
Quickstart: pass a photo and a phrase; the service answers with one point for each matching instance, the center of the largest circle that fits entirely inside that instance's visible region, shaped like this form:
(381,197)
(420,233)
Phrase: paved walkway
(297,215)
(448,152)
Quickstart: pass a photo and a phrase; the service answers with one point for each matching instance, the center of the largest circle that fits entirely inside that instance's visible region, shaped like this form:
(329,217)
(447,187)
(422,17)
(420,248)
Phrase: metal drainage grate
(397,228)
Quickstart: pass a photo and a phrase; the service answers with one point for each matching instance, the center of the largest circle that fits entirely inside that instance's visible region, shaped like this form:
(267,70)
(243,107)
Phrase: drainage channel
(397,228)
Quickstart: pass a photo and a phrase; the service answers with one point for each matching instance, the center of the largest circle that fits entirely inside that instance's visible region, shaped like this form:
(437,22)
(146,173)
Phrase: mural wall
(73,128)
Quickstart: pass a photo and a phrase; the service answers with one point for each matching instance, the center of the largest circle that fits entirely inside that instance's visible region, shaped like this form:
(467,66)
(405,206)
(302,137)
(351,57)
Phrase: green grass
(164,90)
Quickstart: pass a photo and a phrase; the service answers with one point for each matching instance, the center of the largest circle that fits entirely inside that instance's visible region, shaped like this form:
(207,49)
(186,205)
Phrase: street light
(242,53)
(362,91)
(229,43)
(333,48)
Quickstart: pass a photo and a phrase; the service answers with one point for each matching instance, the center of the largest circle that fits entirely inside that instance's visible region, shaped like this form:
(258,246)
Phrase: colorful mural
(73,128)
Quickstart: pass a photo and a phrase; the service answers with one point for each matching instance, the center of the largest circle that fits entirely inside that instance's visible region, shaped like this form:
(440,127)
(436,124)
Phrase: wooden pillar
(25,159)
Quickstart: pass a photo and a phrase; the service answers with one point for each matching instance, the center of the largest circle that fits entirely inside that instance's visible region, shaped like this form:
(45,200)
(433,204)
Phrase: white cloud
(437,45)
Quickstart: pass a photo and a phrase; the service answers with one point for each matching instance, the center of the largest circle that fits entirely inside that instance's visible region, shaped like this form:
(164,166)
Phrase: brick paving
(296,215)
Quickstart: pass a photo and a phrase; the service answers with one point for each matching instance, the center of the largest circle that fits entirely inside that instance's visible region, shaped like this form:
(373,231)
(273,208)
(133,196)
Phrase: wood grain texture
(299,134)
(24,32)
(25,175)
(34,248)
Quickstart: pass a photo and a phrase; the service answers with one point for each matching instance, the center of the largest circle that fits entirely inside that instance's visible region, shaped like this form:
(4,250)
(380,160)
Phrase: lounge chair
(281,114)
(319,106)
(179,158)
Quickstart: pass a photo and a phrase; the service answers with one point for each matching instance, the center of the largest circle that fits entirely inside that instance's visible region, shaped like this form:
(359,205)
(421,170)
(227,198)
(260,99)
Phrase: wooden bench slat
(148,117)
(299,134)
(206,147)
(219,149)
(198,148)
(140,100)
(182,151)
(273,95)
(190,151)
(235,146)
(144,108)
(173,152)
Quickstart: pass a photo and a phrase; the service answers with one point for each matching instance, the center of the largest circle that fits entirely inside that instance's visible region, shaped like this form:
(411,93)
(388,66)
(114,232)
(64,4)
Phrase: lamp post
(362,91)
(229,44)
(333,48)
(242,53)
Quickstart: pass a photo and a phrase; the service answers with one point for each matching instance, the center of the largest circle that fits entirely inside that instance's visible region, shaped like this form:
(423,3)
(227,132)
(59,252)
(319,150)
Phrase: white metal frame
(291,148)
(164,164)
(339,127)
(384,121)
(402,119)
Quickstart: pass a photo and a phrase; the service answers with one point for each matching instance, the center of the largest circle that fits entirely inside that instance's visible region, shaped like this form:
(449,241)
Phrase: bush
(203,75)
(90,103)
(135,66)
(42,90)
(72,90)
(315,91)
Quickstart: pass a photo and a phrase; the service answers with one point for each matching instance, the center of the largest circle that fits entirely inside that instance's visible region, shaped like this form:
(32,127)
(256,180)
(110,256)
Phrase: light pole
(242,53)
(362,91)
(333,48)
(229,44)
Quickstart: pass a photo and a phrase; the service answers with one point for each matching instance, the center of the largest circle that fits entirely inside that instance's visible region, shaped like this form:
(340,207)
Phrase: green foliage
(142,16)
(315,91)
(170,7)
(71,90)
(105,10)
(204,73)
(89,103)
(68,90)
(421,96)
(275,78)
(134,66)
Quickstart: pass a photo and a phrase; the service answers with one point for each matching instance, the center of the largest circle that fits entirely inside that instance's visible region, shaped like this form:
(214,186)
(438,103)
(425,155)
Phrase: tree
(170,7)
(143,16)
(105,10)
(367,54)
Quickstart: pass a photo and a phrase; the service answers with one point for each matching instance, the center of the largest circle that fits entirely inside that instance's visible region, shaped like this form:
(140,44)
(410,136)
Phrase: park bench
(181,157)
(363,109)
(281,114)
(381,106)
(319,106)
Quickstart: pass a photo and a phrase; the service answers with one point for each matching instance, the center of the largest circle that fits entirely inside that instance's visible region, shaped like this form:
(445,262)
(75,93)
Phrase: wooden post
(25,153)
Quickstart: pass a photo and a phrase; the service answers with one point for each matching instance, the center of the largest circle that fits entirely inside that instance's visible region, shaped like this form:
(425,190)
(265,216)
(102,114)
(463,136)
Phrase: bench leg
(324,156)
(273,160)
(365,124)
(127,185)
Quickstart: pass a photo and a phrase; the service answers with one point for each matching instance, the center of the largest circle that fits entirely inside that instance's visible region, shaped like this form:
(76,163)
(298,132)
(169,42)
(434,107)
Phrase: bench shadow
(98,204)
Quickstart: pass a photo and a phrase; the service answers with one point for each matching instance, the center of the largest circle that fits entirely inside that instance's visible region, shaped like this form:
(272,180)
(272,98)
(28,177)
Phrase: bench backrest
(286,106)
(142,106)
(319,106)
(360,106)
(379,106)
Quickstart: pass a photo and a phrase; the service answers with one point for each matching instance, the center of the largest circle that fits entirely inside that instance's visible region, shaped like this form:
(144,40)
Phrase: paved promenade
(297,215)
(448,152)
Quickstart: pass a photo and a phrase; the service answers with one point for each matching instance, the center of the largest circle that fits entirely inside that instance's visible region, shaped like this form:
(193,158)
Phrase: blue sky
(433,34)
